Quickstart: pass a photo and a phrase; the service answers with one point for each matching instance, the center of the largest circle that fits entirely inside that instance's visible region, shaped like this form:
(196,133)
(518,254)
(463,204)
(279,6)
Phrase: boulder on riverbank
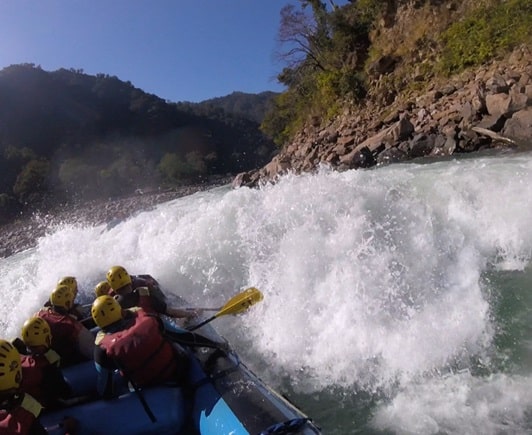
(490,107)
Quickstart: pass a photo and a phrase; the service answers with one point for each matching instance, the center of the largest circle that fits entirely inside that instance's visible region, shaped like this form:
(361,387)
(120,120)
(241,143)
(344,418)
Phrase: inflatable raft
(223,397)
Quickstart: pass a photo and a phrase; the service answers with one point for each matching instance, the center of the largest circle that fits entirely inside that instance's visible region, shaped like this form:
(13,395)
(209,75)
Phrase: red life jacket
(65,331)
(20,420)
(142,352)
(33,373)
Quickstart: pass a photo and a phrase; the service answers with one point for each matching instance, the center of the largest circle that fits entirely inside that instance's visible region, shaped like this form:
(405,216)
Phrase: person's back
(21,417)
(127,290)
(41,376)
(142,291)
(19,412)
(76,310)
(134,344)
(72,283)
(70,339)
(148,281)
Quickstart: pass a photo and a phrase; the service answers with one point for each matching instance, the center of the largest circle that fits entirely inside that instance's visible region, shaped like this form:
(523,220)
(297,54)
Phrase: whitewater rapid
(382,282)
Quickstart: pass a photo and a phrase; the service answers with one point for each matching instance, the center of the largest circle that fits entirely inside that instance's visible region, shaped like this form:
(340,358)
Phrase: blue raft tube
(223,397)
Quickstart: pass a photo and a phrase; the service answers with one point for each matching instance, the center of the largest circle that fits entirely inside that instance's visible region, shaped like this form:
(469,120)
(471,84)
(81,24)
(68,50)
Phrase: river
(397,300)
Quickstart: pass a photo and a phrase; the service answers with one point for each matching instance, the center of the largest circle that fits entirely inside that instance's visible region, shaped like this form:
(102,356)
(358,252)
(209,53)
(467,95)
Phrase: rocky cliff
(489,107)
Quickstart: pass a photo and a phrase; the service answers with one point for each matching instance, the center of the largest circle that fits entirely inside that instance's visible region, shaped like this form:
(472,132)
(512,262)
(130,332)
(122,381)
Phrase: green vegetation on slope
(377,50)
(485,33)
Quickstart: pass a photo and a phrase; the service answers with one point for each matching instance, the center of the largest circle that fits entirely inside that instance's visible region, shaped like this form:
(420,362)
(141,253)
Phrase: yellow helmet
(36,332)
(10,370)
(71,283)
(105,311)
(117,277)
(102,288)
(62,297)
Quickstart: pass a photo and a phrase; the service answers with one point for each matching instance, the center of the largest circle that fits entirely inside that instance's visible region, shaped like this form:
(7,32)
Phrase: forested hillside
(249,106)
(66,135)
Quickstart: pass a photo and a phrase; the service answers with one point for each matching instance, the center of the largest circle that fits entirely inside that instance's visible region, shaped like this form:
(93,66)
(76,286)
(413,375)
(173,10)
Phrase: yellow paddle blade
(241,302)
(236,305)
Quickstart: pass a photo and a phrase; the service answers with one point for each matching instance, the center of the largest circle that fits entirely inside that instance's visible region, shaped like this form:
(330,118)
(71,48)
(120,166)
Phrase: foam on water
(372,280)
(460,403)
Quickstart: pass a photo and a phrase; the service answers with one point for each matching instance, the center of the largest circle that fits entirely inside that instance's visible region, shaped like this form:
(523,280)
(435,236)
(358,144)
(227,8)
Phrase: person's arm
(150,303)
(104,368)
(150,282)
(183,313)
(78,312)
(147,302)
(153,304)
(54,383)
(129,300)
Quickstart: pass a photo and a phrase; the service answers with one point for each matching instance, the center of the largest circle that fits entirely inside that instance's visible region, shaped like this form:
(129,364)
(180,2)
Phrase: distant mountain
(250,106)
(65,134)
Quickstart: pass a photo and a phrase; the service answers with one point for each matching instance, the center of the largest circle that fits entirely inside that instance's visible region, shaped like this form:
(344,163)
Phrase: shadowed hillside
(249,106)
(66,135)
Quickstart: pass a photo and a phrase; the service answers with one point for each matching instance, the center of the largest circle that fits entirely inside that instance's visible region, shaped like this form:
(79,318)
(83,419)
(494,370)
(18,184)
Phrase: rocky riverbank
(22,233)
(490,107)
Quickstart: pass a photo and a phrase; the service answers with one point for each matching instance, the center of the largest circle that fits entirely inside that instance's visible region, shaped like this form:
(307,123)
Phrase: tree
(196,163)
(8,207)
(175,168)
(172,167)
(76,176)
(305,35)
(324,54)
(12,161)
(32,179)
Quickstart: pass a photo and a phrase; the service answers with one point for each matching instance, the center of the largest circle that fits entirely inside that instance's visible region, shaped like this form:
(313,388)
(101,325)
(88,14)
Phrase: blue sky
(178,50)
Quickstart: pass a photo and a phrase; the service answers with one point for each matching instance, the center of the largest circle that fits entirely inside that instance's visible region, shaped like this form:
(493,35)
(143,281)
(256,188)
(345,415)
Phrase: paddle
(188,308)
(236,305)
(193,339)
(138,391)
(202,308)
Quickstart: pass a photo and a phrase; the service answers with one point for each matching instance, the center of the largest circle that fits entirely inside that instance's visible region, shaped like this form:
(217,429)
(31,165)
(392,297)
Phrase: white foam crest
(18,275)
(460,404)
(368,276)
(375,274)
